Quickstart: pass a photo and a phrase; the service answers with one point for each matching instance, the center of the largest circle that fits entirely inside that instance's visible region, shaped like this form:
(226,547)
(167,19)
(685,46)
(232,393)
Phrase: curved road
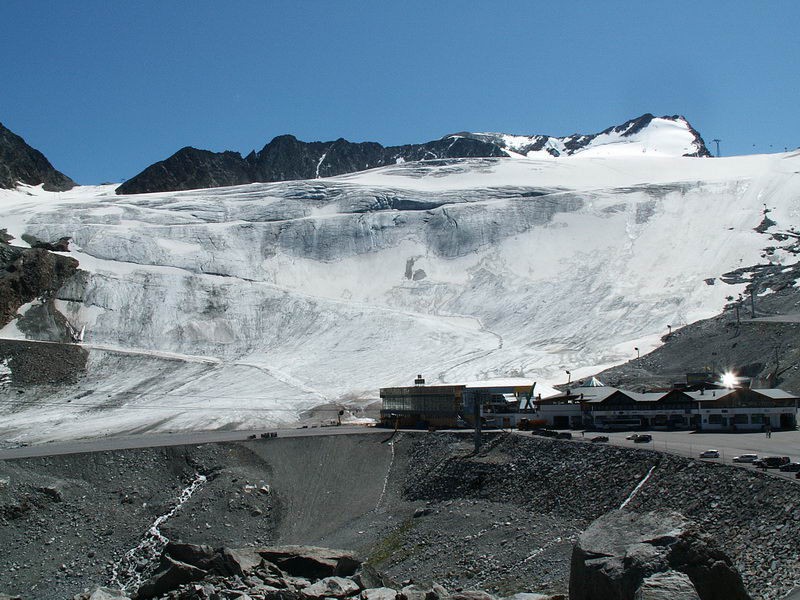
(182,438)
(682,443)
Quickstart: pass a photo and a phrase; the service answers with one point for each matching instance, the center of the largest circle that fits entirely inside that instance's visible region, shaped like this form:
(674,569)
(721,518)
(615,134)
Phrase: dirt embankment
(421,506)
(34,363)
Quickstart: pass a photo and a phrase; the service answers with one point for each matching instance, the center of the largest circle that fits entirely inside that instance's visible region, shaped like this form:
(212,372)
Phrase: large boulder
(381,593)
(625,556)
(219,561)
(171,575)
(311,562)
(368,577)
(670,585)
(331,587)
(104,593)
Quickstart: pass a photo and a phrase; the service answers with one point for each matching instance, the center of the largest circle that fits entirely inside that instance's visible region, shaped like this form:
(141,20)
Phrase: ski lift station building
(502,402)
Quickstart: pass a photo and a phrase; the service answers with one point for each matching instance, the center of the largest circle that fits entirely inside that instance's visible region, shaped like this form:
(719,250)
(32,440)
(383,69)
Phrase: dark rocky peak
(19,163)
(286,158)
(632,126)
(187,169)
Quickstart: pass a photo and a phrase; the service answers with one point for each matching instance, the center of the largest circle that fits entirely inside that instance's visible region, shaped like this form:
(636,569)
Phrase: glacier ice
(244,306)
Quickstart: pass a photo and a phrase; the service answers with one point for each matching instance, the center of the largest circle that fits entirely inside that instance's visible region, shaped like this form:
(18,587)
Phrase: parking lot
(691,444)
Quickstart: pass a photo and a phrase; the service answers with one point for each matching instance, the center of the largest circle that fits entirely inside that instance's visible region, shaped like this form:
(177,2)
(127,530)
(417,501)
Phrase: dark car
(600,438)
(791,467)
(771,462)
(643,438)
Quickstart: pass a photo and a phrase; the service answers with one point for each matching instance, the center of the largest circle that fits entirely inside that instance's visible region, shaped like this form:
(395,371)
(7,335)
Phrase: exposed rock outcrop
(30,273)
(60,245)
(190,168)
(637,556)
(286,158)
(19,163)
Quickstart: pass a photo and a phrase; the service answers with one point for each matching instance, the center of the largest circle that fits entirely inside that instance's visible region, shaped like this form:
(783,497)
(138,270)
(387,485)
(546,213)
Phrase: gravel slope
(419,506)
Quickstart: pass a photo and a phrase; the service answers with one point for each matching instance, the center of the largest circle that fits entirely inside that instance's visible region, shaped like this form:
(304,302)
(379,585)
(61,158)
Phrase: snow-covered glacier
(243,306)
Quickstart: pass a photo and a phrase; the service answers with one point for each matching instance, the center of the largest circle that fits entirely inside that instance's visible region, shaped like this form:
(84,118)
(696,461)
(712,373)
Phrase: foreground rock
(649,556)
(198,572)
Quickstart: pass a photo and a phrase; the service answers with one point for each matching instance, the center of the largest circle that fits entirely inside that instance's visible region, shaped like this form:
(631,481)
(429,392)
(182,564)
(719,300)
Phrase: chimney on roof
(419,380)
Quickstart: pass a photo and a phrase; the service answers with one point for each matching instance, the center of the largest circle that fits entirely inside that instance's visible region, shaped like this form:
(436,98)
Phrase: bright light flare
(729,380)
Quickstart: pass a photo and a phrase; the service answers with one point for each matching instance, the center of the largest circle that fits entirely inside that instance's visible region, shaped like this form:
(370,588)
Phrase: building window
(715,419)
(757,419)
(740,419)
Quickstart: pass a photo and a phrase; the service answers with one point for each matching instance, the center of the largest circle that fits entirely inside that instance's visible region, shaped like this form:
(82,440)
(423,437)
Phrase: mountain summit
(286,158)
(658,136)
(19,163)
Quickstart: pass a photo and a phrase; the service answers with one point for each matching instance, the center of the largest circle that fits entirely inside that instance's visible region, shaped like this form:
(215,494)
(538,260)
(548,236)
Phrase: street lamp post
(637,353)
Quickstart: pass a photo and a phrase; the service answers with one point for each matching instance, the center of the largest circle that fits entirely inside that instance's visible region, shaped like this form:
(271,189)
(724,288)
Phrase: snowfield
(244,306)
(659,136)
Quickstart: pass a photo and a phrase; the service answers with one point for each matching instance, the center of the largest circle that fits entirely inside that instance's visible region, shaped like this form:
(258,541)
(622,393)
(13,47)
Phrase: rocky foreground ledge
(198,572)
(623,555)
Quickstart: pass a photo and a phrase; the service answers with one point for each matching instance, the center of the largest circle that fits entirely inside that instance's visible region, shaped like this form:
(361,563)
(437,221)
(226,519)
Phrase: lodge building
(594,406)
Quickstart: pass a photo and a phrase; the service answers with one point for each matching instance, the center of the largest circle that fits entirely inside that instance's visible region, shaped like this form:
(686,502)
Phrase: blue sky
(106,88)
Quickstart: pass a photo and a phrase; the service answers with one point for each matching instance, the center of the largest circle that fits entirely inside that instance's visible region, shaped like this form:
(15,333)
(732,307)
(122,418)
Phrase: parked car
(771,462)
(791,467)
(710,453)
(633,436)
(600,438)
(643,438)
(797,475)
(746,458)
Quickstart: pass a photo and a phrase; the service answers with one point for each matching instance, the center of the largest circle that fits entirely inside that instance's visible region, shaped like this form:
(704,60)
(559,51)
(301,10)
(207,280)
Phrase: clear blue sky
(106,88)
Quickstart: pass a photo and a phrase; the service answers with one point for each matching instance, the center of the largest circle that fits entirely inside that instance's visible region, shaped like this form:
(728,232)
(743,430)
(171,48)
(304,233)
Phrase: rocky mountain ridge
(286,158)
(532,145)
(20,163)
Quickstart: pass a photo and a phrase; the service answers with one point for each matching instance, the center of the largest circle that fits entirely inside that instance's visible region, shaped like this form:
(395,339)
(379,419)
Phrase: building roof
(594,394)
(509,385)
(709,395)
(776,394)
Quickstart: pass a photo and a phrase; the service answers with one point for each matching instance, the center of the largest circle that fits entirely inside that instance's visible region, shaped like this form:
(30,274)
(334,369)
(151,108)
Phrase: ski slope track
(241,307)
